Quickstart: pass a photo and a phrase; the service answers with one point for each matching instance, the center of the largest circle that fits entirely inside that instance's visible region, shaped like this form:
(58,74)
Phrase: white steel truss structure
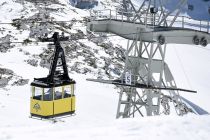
(147,86)
(153,12)
(145,62)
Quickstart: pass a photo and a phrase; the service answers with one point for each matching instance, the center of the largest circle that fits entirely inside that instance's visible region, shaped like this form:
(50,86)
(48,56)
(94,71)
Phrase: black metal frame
(138,85)
(55,78)
(53,116)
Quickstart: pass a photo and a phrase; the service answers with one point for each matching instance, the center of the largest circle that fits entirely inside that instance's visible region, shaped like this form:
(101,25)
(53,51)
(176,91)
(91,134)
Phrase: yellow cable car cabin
(54,95)
(53,101)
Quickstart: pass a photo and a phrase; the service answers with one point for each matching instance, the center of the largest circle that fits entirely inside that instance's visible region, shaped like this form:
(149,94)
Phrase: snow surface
(97,103)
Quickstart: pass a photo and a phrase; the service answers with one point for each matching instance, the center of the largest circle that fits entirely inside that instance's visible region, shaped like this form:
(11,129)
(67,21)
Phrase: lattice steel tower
(147,86)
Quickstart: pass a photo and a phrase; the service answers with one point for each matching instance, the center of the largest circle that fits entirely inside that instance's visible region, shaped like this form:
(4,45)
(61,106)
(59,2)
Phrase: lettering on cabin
(37,107)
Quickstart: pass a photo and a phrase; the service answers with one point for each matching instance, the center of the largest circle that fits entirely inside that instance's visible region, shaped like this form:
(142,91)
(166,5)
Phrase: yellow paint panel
(49,108)
(43,108)
(62,106)
(73,101)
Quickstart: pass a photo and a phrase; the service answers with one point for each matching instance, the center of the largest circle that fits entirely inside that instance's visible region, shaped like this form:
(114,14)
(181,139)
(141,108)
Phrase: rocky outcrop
(8,77)
(5,44)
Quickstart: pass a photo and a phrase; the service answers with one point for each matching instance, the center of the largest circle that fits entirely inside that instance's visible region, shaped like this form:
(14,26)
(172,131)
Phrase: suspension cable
(182,67)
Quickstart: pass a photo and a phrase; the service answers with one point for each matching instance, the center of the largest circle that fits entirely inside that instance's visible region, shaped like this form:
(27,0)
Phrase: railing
(154,20)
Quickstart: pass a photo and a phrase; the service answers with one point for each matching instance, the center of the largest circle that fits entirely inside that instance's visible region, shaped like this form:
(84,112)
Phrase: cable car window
(38,93)
(67,91)
(48,94)
(33,91)
(58,93)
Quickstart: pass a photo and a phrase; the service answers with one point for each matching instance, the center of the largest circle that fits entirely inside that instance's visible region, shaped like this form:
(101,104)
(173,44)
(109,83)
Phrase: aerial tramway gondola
(53,95)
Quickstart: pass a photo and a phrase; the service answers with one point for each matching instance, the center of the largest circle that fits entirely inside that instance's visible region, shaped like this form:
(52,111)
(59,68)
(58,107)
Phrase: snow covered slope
(96,103)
